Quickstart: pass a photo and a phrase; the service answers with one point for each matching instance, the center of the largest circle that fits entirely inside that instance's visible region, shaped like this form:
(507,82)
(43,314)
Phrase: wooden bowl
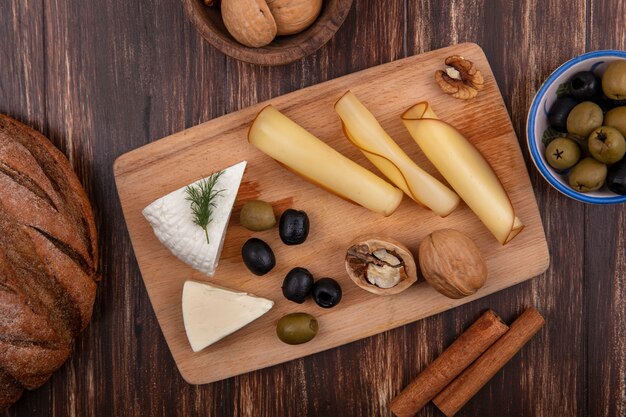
(283,49)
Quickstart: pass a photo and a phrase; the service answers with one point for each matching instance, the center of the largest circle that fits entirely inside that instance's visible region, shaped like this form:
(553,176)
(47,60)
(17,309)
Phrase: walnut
(255,23)
(461,79)
(452,263)
(380,265)
(293,16)
(384,276)
(250,22)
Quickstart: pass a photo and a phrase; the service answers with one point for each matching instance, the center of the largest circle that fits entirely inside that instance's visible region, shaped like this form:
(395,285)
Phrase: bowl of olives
(576,128)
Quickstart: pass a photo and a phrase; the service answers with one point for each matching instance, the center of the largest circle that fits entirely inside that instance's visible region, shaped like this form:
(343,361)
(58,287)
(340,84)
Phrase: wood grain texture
(139,71)
(605,266)
(148,173)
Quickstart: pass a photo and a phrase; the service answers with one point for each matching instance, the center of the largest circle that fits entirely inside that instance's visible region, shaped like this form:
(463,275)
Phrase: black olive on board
(585,85)
(616,179)
(327,292)
(258,256)
(293,227)
(297,285)
(557,116)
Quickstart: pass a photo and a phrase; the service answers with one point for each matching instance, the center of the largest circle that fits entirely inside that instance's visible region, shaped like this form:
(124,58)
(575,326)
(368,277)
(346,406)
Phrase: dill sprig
(202,197)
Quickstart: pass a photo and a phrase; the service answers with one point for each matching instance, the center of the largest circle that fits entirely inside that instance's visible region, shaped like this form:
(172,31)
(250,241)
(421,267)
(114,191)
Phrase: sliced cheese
(172,221)
(211,313)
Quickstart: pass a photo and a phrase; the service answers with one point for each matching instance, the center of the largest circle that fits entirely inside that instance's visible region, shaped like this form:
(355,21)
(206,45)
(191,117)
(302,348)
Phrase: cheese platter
(147,174)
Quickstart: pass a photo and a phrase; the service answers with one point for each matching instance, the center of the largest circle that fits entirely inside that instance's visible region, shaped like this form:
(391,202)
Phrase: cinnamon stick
(469,346)
(466,385)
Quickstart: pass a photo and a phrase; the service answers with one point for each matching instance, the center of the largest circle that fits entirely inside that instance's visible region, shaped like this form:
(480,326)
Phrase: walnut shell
(452,263)
(357,267)
(293,16)
(249,21)
(461,79)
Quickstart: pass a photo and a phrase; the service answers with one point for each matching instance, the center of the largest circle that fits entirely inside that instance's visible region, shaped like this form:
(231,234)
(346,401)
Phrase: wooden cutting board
(154,170)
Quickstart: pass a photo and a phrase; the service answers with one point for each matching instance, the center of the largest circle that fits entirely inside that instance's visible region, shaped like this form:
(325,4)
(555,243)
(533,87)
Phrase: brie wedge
(211,313)
(172,220)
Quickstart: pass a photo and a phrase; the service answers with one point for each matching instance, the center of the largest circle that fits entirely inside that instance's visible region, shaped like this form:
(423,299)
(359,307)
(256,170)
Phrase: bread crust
(48,259)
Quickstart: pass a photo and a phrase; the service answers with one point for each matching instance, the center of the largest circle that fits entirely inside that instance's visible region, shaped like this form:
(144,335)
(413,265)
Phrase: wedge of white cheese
(211,313)
(172,220)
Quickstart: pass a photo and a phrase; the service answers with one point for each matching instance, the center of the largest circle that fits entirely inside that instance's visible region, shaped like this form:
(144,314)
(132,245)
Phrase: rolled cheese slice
(363,130)
(281,138)
(465,169)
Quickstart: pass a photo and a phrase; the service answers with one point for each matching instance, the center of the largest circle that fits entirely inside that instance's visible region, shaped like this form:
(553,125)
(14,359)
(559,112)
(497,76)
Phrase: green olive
(584,118)
(296,328)
(614,80)
(257,215)
(562,153)
(607,145)
(587,175)
(616,118)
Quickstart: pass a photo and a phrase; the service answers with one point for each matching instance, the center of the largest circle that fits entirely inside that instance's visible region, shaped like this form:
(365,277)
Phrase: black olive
(258,256)
(293,227)
(557,116)
(585,85)
(604,103)
(616,179)
(297,285)
(327,292)
(617,103)
(607,104)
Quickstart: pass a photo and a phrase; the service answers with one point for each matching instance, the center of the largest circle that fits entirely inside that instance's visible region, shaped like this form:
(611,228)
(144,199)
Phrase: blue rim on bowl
(536,154)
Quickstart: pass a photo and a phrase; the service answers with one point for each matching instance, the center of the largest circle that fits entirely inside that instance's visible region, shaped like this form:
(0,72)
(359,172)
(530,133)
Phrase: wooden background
(102,77)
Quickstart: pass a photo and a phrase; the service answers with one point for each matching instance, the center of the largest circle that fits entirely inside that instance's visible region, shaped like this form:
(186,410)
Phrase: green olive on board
(607,145)
(584,118)
(562,153)
(614,80)
(296,328)
(257,215)
(588,175)
(616,118)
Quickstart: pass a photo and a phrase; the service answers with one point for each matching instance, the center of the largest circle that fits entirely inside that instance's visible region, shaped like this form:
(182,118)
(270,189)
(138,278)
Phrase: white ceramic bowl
(537,123)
